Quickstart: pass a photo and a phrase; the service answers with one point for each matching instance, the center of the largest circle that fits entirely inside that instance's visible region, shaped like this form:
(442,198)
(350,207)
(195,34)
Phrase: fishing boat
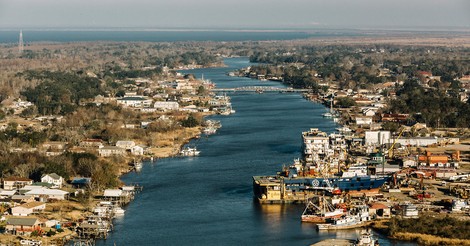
(188,151)
(320,213)
(357,217)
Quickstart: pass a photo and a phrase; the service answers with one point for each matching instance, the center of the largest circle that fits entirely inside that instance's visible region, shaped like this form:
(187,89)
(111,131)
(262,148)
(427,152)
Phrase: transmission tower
(20,43)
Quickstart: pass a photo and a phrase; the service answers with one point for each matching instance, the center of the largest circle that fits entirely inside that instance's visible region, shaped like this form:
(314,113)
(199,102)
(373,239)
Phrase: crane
(390,150)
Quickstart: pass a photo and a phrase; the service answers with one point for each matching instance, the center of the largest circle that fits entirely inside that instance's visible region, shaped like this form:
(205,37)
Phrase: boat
(357,217)
(281,188)
(366,239)
(138,165)
(320,213)
(118,211)
(188,151)
(209,130)
(327,115)
(30,242)
(259,91)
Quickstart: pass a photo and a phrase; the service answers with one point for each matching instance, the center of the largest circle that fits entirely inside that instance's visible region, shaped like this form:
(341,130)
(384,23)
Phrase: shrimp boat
(188,151)
(320,213)
(357,217)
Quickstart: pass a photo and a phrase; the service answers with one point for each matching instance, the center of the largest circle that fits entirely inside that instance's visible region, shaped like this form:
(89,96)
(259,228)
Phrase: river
(207,200)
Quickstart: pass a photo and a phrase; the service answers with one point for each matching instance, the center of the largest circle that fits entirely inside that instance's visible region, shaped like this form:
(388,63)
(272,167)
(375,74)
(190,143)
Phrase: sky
(234,13)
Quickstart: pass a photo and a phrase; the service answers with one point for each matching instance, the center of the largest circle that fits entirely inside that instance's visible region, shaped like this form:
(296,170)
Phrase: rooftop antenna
(21,43)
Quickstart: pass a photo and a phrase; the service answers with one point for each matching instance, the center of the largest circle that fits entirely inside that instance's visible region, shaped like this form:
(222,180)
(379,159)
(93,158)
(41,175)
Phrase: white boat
(366,239)
(118,211)
(327,115)
(188,151)
(30,242)
(210,130)
(138,165)
(357,217)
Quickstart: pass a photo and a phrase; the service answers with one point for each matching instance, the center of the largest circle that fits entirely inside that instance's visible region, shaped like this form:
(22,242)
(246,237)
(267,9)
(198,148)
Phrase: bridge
(260,89)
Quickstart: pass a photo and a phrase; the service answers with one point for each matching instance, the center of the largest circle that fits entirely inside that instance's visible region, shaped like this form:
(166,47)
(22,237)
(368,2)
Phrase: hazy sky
(234,13)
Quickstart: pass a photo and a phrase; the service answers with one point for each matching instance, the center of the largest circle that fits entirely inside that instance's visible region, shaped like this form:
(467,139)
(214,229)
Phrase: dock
(334,242)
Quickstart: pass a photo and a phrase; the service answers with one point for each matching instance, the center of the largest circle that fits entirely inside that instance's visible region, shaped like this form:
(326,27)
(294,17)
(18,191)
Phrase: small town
(234,123)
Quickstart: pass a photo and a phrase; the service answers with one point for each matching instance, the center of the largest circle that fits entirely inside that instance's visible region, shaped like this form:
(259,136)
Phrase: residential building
(48,193)
(166,105)
(107,151)
(135,101)
(28,208)
(22,226)
(125,144)
(91,143)
(54,179)
(14,183)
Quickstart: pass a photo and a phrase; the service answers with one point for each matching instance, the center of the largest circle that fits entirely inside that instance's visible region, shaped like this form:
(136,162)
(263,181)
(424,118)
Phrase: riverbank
(384,227)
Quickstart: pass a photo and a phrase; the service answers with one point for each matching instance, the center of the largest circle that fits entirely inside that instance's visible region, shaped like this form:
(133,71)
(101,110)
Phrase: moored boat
(320,213)
(188,151)
(366,239)
(356,218)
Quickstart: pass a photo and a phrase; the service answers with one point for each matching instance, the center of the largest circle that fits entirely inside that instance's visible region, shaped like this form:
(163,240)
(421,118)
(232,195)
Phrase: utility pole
(21,43)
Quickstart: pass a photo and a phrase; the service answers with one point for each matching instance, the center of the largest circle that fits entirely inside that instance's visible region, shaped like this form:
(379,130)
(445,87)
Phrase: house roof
(7,192)
(17,179)
(378,206)
(31,204)
(81,180)
(45,191)
(132,99)
(21,221)
(52,175)
(112,193)
(110,148)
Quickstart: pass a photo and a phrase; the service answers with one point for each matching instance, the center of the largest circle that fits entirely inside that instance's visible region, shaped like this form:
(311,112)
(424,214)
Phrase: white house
(28,208)
(166,105)
(54,179)
(363,120)
(107,151)
(135,101)
(138,150)
(48,193)
(125,144)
